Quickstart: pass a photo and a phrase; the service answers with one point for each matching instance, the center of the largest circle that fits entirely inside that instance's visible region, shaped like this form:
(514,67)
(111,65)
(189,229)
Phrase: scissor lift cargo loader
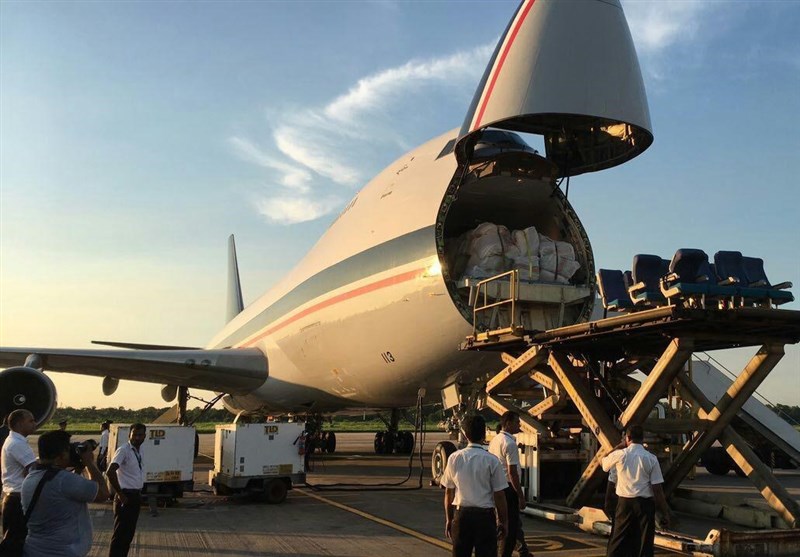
(587,397)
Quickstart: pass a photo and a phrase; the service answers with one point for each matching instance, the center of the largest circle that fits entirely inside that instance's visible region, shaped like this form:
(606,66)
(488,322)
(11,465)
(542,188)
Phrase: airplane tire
(330,443)
(389,442)
(275,491)
(408,442)
(400,442)
(441,453)
(379,442)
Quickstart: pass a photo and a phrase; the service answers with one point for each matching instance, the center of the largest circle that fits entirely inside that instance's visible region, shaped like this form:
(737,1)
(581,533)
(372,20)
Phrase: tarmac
(314,522)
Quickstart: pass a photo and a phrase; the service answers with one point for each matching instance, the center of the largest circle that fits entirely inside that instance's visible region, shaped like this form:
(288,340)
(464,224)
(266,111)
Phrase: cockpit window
(494,142)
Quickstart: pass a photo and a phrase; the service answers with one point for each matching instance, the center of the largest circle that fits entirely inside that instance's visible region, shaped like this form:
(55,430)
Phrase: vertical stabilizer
(235,303)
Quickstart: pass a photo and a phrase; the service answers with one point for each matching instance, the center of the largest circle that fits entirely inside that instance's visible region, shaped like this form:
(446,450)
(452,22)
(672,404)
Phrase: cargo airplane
(375,312)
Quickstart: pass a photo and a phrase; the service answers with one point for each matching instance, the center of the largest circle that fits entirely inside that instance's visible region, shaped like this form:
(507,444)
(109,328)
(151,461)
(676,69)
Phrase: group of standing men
(483,495)
(45,506)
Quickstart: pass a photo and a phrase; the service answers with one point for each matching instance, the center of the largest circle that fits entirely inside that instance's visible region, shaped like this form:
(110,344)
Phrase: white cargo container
(167,457)
(264,458)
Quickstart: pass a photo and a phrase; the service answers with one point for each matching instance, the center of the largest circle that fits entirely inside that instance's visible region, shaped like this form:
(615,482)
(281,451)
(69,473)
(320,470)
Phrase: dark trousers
(634,528)
(508,543)
(125,518)
(14,529)
(476,529)
(102,461)
(522,546)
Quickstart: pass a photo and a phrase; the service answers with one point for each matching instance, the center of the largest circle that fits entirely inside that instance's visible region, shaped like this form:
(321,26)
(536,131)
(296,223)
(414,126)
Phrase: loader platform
(601,376)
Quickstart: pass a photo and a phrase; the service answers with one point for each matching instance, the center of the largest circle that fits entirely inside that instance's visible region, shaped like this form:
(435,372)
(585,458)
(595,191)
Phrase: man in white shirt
(639,481)
(504,447)
(474,503)
(17,458)
(102,448)
(126,476)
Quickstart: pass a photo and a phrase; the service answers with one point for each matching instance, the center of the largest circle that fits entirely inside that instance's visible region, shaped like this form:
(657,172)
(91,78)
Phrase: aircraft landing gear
(393,441)
(462,400)
(441,453)
(318,440)
(390,442)
(327,442)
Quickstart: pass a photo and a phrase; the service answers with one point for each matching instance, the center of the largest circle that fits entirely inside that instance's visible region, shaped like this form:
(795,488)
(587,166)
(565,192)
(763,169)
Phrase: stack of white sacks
(492,249)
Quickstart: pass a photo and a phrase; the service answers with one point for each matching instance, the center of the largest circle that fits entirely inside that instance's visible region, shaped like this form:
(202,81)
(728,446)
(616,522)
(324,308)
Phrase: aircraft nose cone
(568,71)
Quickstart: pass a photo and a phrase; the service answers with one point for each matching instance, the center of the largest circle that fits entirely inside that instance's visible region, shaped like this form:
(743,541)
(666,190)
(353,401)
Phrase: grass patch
(365,426)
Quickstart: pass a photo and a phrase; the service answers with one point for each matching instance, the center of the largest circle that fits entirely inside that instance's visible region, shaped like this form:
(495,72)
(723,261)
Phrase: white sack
(490,239)
(528,267)
(556,260)
(527,242)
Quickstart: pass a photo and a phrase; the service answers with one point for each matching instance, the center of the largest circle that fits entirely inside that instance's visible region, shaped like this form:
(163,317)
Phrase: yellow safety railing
(482,295)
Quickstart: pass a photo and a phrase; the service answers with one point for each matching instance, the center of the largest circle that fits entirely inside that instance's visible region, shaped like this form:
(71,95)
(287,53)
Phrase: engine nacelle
(28,388)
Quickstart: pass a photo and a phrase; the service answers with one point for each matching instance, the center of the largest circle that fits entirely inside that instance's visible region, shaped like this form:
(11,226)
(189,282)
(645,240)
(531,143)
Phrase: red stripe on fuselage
(391,281)
(500,62)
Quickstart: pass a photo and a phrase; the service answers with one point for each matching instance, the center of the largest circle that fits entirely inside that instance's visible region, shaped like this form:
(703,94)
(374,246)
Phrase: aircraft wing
(233,371)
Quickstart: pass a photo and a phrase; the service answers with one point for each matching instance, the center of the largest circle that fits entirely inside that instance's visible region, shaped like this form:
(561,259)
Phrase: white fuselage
(365,318)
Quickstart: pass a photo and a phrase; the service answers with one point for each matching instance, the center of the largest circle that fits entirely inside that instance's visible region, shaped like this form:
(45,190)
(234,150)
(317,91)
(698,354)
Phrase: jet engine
(28,388)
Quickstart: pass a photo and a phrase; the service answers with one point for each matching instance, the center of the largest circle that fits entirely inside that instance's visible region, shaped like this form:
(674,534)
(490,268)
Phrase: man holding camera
(126,476)
(17,458)
(55,501)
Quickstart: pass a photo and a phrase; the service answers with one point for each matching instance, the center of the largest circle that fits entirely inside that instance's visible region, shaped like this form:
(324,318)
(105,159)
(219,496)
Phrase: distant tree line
(122,415)
(784,411)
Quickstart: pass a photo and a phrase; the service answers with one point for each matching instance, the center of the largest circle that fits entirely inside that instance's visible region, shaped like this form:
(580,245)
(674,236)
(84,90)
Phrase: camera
(77,448)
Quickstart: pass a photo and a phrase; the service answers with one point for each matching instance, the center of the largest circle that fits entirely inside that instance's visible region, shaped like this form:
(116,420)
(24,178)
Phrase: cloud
(660,28)
(372,93)
(294,178)
(315,152)
(293,210)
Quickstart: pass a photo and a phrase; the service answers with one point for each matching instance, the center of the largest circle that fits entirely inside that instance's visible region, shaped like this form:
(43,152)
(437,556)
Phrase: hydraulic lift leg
(658,380)
(663,373)
(517,367)
(723,413)
(596,418)
(527,422)
(762,477)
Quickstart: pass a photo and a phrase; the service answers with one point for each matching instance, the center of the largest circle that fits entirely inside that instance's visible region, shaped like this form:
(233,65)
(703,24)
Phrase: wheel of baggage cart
(275,491)
(441,453)
(330,443)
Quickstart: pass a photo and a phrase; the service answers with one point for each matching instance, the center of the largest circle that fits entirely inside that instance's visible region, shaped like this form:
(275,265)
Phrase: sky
(136,136)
